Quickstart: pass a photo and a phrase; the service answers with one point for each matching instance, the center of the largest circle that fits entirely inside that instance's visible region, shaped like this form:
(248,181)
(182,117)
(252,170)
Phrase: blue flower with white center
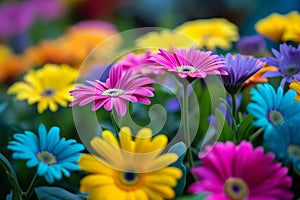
(288,63)
(272,109)
(284,141)
(53,156)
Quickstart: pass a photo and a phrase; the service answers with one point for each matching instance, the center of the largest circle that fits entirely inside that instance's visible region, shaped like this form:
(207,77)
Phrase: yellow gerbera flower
(211,33)
(165,39)
(48,87)
(296,86)
(292,32)
(129,169)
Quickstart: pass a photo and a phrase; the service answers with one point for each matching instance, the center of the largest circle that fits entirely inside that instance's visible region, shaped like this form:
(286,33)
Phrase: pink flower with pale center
(121,86)
(192,63)
(240,172)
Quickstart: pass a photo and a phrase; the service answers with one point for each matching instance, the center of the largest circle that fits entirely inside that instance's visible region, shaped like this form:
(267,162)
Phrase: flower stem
(30,188)
(186,128)
(256,134)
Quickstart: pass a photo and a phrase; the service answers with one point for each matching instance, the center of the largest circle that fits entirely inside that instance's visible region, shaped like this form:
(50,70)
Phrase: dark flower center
(291,70)
(275,117)
(129,177)
(46,157)
(113,92)
(294,151)
(236,189)
(186,69)
(48,92)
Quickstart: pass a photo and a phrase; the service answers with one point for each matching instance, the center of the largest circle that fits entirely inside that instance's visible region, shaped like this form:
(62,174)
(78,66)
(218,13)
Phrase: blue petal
(42,169)
(43,137)
(52,138)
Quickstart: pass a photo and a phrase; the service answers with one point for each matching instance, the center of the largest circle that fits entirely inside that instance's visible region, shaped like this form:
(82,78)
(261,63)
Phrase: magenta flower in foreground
(192,63)
(121,86)
(241,172)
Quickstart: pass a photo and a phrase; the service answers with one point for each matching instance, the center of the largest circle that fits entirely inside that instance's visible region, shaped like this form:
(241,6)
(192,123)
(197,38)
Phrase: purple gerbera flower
(251,45)
(239,69)
(121,86)
(288,63)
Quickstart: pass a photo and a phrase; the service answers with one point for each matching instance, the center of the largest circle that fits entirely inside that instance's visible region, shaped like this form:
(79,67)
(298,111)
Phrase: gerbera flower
(239,69)
(48,87)
(258,76)
(284,141)
(121,86)
(240,172)
(53,156)
(271,108)
(288,63)
(211,33)
(252,45)
(165,39)
(296,86)
(192,63)
(129,169)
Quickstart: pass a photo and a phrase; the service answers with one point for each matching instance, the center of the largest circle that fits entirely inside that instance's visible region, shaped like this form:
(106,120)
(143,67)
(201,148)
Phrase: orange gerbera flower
(257,77)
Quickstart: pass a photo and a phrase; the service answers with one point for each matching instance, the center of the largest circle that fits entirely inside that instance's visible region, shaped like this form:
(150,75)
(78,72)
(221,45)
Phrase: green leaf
(55,193)
(193,197)
(245,128)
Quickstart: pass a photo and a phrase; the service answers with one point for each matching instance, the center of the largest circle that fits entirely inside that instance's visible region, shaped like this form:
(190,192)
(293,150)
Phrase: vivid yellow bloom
(165,39)
(129,169)
(48,87)
(296,86)
(280,27)
(211,33)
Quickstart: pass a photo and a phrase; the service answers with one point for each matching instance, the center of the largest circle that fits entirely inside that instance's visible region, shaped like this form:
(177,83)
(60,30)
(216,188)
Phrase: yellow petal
(152,194)
(163,190)
(90,182)
(142,139)
(171,171)
(163,161)
(162,179)
(110,137)
(126,139)
(91,163)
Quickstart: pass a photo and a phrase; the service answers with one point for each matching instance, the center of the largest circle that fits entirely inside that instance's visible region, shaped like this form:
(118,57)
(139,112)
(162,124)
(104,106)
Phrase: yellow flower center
(46,157)
(236,189)
(275,117)
(48,93)
(113,92)
(294,151)
(129,180)
(186,69)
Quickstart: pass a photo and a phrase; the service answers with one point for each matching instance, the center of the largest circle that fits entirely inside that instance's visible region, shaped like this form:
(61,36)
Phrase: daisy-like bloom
(296,86)
(192,63)
(129,169)
(292,32)
(121,86)
(287,60)
(270,108)
(48,87)
(211,33)
(165,39)
(239,69)
(53,156)
(252,45)
(240,172)
(284,141)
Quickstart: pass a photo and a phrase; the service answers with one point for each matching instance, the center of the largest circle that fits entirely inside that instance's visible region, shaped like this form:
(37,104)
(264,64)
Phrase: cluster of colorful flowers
(229,170)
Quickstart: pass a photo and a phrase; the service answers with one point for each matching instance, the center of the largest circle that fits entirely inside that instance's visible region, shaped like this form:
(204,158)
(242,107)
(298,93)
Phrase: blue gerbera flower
(284,141)
(270,108)
(53,156)
(288,63)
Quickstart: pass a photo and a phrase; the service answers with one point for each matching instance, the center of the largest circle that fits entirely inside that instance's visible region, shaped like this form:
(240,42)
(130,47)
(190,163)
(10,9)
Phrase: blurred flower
(239,69)
(292,32)
(211,33)
(295,85)
(270,108)
(48,87)
(119,87)
(53,156)
(165,39)
(252,45)
(47,10)
(258,76)
(192,63)
(276,26)
(287,62)
(231,172)
(284,141)
(129,169)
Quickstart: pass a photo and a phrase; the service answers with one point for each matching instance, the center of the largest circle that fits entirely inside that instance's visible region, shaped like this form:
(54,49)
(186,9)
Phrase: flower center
(186,69)
(46,157)
(291,70)
(294,151)
(48,92)
(113,92)
(129,180)
(129,177)
(236,189)
(275,117)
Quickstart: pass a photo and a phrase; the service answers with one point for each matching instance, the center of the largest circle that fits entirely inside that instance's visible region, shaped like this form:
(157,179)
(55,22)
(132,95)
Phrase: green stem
(114,124)
(31,186)
(235,117)
(256,134)
(186,128)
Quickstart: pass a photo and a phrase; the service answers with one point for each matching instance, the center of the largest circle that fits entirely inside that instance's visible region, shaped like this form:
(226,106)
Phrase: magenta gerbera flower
(192,63)
(240,172)
(121,86)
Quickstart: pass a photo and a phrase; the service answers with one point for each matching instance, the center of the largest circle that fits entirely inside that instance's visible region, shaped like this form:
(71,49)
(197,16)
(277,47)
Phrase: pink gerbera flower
(192,63)
(241,172)
(121,86)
